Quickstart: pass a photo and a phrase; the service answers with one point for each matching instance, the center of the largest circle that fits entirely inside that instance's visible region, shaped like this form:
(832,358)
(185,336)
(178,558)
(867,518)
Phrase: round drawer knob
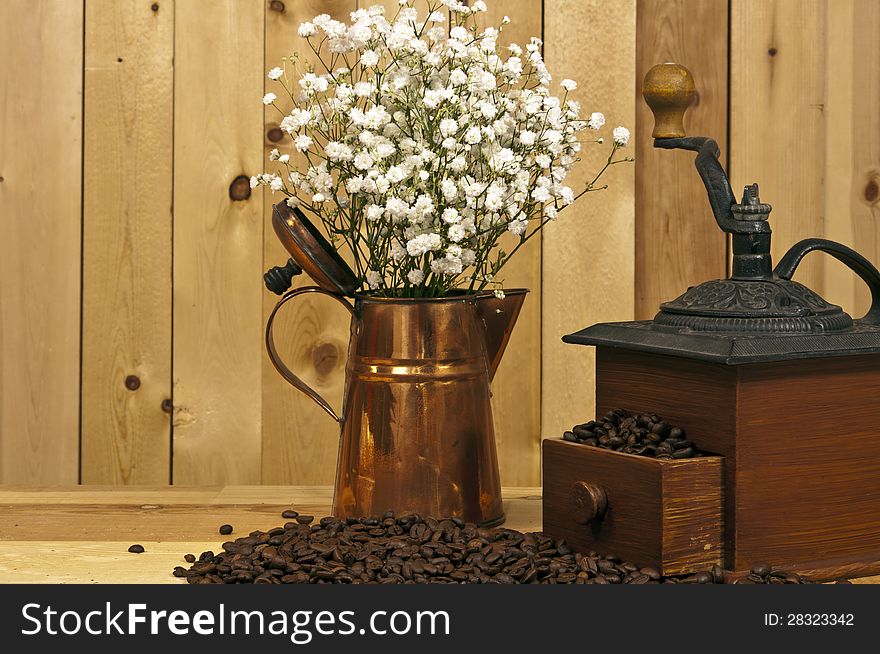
(588,502)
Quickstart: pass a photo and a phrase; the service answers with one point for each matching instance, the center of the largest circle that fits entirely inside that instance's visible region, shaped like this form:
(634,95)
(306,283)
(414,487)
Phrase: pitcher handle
(280,366)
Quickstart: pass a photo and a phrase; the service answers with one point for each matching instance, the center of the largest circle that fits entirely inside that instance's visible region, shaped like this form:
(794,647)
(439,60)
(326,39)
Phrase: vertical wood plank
(678,243)
(218,242)
(41,47)
(516,397)
(300,441)
(588,266)
(852,166)
(127,242)
(777,124)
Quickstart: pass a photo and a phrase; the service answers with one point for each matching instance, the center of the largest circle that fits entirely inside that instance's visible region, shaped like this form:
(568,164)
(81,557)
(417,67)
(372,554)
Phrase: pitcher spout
(497,316)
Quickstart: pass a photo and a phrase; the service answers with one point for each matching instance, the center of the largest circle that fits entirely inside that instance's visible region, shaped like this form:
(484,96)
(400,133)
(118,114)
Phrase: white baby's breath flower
(415,276)
(254,181)
(284,158)
(369,58)
(318,198)
(276,184)
(527,137)
(451,215)
(307,29)
(374,212)
(374,279)
(448,126)
(473,135)
(363,89)
(269,98)
(458,164)
(363,161)
(337,151)
(303,142)
(311,83)
(568,84)
(597,119)
(621,136)
(275,73)
(422,244)
(517,227)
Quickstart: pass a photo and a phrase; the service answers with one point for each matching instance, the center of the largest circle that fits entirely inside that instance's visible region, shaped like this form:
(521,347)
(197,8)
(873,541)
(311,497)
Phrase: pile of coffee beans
(410,549)
(645,434)
(763,573)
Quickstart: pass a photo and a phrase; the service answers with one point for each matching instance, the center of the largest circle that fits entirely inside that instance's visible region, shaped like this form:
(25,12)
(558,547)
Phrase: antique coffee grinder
(759,370)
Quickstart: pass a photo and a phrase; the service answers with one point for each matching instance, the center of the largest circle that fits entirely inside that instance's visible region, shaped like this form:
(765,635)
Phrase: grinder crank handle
(668,90)
(852,259)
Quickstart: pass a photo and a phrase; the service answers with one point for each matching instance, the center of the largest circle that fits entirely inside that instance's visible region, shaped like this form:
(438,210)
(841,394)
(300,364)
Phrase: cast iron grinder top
(759,313)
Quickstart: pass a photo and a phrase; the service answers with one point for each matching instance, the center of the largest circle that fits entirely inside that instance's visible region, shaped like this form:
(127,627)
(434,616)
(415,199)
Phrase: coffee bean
(289,515)
(136,549)
(225,529)
(304,519)
(704,578)
(190,558)
(682,444)
(761,569)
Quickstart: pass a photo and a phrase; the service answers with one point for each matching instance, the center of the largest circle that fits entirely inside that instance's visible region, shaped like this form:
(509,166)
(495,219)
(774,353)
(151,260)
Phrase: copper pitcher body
(416,422)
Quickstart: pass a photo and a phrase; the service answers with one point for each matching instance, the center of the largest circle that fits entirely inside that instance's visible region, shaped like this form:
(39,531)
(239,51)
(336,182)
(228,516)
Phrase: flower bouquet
(422,143)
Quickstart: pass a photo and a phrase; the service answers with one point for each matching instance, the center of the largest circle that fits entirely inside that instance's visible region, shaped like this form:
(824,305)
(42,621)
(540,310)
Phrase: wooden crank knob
(587,501)
(669,90)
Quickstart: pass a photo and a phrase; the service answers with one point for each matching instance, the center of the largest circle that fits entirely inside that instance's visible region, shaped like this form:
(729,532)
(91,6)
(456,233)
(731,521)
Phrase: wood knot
(275,134)
(132,382)
(872,189)
(326,356)
(772,52)
(155,6)
(277,5)
(240,188)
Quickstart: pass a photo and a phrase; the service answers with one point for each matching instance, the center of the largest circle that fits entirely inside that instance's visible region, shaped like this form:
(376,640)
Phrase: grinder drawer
(666,514)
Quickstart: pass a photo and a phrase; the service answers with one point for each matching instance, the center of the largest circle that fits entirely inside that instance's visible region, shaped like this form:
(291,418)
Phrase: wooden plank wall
(41,47)
(588,271)
(218,242)
(672,214)
(131,304)
(126,302)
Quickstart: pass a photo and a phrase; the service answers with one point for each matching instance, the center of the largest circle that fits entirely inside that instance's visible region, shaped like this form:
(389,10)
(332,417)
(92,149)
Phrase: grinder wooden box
(660,513)
(801,445)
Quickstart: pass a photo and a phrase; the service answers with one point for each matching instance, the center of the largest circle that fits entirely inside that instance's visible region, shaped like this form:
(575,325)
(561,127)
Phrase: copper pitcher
(416,421)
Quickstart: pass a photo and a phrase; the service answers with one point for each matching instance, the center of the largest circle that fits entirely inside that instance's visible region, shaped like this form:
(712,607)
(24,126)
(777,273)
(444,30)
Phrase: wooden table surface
(81,534)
